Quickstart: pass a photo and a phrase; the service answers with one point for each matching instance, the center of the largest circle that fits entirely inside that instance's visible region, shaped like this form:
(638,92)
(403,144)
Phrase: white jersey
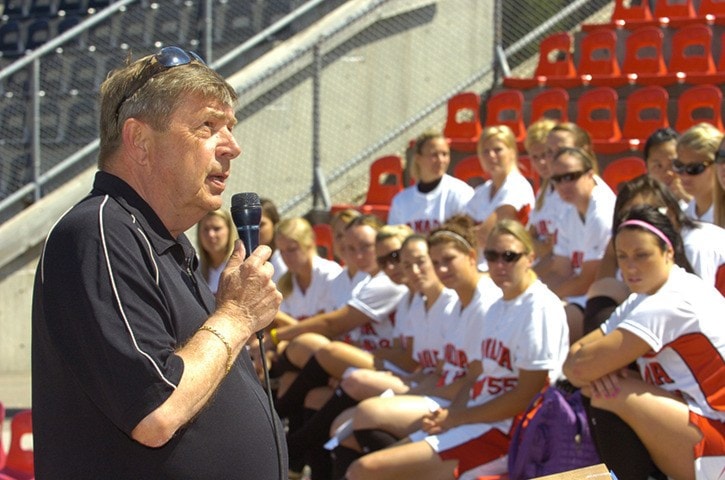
(527,333)
(424,212)
(708,216)
(318,297)
(466,329)
(683,324)
(430,326)
(377,297)
(515,191)
(705,249)
(279,266)
(404,321)
(546,221)
(585,240)
(342,286)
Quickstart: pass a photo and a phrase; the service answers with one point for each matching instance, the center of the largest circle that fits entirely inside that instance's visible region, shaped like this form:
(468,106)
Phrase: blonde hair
(499,132)
(702,138)
(400,232)
(298,230)
(582,140)
(537,132)
(516,230)
(204,257)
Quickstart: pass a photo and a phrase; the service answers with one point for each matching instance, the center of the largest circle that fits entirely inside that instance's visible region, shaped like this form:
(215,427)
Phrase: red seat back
(462,122)
(715,8)
(701,103)
(643,52)
(19,459)
(622,170)
(555,59)
(552,103)
(386,180)
(646,111)
(470,171)
(674,9)
(599,53)
(323,240)
(691,50)
(505,107)
(626,11)
(597,114)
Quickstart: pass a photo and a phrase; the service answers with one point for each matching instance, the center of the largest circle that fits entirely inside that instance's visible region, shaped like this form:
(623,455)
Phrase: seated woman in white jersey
(544,219)
(521,349)
(659,151)
(540,222)
(696,149)
(267,225)
(671,326)
(584,230)
(215,237)
(507,194)
(417,322)
(382,421)
(437,196)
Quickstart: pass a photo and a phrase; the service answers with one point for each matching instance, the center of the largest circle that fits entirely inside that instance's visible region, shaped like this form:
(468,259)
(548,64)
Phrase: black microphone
(247,214)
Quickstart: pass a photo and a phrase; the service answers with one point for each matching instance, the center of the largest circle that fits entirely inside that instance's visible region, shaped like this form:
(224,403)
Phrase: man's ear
(136,136)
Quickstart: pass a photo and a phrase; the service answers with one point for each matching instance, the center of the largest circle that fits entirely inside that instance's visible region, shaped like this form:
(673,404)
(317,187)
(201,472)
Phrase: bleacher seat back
(692,50)
(597,114)
(555,57)
(646,111)
(644,53)
(599,53)
(701,103)
(552,103)
(506,107)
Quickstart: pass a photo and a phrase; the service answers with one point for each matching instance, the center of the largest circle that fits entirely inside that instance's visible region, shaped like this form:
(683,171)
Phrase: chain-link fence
(365,80)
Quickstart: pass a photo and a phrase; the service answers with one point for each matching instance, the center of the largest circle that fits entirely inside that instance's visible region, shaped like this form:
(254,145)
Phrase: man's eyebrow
(221,116)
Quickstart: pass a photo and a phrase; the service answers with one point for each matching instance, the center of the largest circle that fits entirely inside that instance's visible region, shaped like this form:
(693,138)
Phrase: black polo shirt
(115,296)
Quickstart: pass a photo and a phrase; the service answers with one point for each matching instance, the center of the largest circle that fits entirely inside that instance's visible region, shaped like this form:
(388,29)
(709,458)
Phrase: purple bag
(552,437)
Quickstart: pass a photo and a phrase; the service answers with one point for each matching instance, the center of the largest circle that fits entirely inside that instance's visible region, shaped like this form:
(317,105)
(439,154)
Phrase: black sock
(311,376)
(342,458)
(315,432)
(597,310)
(372,440)
(280,365)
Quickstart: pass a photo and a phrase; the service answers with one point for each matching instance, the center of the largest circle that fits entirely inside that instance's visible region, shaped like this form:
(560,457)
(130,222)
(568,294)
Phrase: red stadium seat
(555,66)
(646,111)
(506,107)
(626,11)
(622,170)
(528,171)
(323,240)
(462,124)
(701,103)
(597,114)
(644,58)
(674,9)
(552,103)
(691,50)
(19,463)
(470,171)
(716,8)
(598,64)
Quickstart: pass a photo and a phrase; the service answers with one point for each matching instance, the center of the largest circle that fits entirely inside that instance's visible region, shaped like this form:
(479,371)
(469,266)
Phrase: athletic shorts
(479,449)
(710,451)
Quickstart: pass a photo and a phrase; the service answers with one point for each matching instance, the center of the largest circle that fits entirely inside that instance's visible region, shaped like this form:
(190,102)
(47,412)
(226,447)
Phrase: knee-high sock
(372,440)
(597,310)
(311,376)
(314,433)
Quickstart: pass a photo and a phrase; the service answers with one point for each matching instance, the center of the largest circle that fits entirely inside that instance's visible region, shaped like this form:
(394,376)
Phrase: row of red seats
(626,14)
(690,60)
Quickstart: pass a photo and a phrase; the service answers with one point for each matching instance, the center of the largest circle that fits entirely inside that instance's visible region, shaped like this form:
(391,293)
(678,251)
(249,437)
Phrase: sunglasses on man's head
(567,177)
(690,168)
(392,258)
(492,256)
(166,58)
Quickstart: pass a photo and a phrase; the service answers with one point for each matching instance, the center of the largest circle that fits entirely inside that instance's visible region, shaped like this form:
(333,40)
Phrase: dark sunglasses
(167,57)
(690,168)
(393,258)
(567,177)
(720,157)
(492,256)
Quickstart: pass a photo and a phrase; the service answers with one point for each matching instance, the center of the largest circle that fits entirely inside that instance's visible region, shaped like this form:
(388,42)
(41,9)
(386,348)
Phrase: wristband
(223,339)
(273,336)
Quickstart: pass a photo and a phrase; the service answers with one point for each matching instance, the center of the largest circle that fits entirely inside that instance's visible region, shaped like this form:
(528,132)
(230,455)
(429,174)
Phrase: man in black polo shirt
(138,371)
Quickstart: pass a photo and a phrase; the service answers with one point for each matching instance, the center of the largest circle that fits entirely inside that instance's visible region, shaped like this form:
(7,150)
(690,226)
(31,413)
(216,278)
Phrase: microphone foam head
(245,200)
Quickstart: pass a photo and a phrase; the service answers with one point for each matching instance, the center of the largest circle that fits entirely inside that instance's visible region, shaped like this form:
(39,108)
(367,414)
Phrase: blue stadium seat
(11,39)
(78,7)
(39,32)
(17,8)
(43,8)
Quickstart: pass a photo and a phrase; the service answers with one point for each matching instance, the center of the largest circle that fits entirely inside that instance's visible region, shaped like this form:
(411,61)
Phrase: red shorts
(488,447)
(713,436)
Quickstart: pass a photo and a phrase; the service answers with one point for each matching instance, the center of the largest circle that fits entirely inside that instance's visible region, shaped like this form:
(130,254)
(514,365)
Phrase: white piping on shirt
(118,297)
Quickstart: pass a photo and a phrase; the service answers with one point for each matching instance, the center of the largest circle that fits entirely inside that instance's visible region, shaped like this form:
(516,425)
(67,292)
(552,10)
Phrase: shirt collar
(157,233)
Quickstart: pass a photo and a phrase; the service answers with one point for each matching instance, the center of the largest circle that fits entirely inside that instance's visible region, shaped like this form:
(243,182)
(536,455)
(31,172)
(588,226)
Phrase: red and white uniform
(683,324)
(584,240)
(515,191)
(424,212)
(529,332)
(377,297)
(708,216)
(704,248)
(429,327)
(463,334)
(404,321)
(318,297)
